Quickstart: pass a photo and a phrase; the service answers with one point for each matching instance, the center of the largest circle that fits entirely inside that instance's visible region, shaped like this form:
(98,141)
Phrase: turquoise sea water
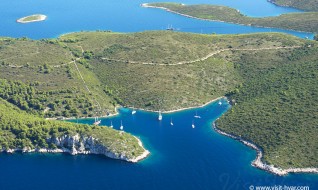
(124,16)
(181,158)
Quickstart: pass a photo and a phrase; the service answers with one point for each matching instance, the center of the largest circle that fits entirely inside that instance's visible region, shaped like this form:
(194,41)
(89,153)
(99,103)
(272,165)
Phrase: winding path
(205,57)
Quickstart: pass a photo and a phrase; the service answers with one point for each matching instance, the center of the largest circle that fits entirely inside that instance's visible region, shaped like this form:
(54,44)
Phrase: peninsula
(306,22)
(24,132)
(32,18)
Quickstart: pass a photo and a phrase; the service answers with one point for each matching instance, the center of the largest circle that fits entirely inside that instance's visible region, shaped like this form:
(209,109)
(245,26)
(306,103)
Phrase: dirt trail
(205,57)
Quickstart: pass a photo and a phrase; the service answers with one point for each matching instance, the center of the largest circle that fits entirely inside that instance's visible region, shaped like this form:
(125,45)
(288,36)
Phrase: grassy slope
(46,66)
(307,5)
(19,130)
(167,87)
(24,51)
(307,22)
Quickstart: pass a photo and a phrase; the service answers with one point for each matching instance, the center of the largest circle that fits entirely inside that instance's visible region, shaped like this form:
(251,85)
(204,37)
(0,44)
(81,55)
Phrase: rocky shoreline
(77,144)
(143,155)
(182,109)
(258,163)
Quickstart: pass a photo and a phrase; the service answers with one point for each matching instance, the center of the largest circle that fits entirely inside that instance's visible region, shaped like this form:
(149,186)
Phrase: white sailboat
(133,111)
(160,116)
(171,123)
(220,103)
(170,28)
(193,126)
(97,122)
(111,124)
(196,115)
(121,125)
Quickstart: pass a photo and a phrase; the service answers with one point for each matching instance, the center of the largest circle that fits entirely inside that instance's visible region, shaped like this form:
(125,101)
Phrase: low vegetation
(40,77)
(19,130)
(307,5)
(166,87)
(307,22)
(137,69)
(276,106)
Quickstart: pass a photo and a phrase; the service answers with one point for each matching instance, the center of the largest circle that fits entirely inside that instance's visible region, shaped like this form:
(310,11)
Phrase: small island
(32,18)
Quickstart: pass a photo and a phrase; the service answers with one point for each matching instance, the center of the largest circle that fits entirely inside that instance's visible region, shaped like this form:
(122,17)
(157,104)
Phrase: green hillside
(307,5)
(40,77)
(19,130)
(143,69)
(276,107)
(307,22)
(272,78)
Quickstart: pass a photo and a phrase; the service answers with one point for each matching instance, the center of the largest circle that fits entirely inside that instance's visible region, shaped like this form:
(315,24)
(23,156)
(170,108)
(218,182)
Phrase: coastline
(143,155)
(92,117)
(182,109)
(258,163)
(281,5)
(142,109)
(146,5)
(67,151)
(40,18)
(94,148)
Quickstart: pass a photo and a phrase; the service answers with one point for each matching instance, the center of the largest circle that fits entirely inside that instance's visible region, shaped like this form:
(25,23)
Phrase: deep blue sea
(181,157)
(66,16)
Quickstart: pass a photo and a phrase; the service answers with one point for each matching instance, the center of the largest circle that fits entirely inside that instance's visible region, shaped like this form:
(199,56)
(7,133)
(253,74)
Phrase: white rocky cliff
(77,144)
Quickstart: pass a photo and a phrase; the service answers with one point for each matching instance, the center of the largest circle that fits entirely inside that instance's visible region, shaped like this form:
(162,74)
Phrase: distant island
(32,18)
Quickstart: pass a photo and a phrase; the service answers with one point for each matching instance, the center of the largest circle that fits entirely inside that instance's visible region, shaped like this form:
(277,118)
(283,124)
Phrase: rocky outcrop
(78,144)
(258,163)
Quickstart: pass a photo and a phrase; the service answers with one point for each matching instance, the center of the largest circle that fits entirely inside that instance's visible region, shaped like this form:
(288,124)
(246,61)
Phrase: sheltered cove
(186,106)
